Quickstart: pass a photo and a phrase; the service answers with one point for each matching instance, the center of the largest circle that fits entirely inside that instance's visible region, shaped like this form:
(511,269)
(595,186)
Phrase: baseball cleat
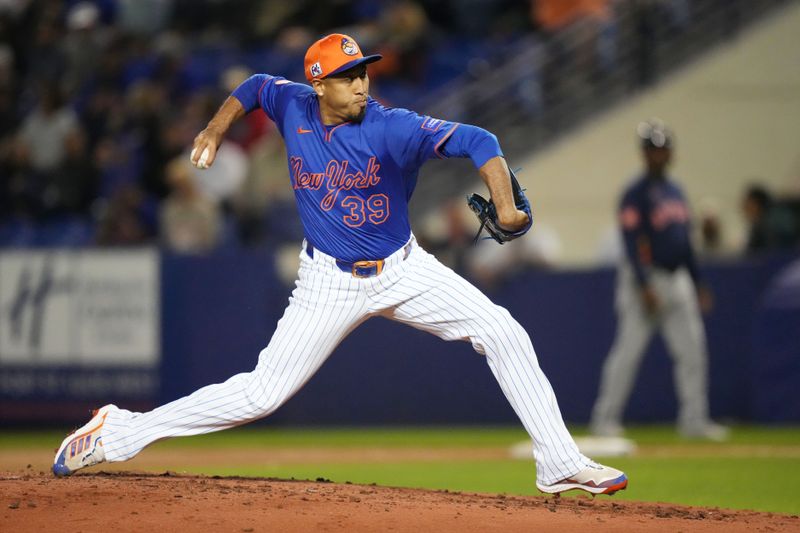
(711,431)
(595,478)
(82,447)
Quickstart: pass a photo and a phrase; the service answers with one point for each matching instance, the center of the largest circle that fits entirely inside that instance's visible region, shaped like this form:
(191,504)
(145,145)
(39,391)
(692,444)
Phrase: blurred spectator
(82,45)
(711,234)
(44,132)
(189,221)
(553,15)
(772,226)
(45,57)
(8,128)
(448,234)
(160,134)
(250,129)
(20,188)
(583,31)
(72,187)
(116,166)
(8,90)
(405,37)
(470,18)
(653,21)
(144,16)
(490,263)
(102,112)
(264,203)
(221,182)
(123,219)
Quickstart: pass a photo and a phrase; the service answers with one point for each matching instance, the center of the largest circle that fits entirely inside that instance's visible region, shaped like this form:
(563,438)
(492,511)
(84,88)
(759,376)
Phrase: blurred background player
(658,288)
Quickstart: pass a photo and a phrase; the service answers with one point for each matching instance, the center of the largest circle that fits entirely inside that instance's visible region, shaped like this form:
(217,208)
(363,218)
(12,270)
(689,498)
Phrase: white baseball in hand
(202,162)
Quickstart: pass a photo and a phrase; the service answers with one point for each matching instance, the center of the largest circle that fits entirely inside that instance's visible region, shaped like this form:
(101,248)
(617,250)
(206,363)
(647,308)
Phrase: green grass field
(758,468)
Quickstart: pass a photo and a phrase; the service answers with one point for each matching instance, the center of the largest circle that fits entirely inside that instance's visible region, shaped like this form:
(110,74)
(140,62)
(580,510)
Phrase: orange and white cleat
(595,479)
(83,447)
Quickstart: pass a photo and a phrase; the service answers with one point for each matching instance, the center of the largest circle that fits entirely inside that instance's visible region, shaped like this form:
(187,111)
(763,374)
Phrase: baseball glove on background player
(487,213)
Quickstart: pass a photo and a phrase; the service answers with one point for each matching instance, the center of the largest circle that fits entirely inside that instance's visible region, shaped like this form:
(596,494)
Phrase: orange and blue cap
(332,54)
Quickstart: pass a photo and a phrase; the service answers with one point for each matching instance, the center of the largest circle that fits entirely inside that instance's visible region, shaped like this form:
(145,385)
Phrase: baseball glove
(487,213)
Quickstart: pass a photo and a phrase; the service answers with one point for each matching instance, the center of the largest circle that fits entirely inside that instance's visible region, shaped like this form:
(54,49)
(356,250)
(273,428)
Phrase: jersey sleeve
(631,215)
(271,93)
(473,142)
(413,138)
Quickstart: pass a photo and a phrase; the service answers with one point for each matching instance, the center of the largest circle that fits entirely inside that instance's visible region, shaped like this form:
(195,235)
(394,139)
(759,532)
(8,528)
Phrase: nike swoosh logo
(301,130)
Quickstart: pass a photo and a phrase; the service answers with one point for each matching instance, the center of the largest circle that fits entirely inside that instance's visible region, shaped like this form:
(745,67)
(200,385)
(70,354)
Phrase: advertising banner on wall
(79,325)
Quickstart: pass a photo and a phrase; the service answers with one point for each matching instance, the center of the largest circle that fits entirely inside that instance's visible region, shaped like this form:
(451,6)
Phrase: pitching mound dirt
(168,502)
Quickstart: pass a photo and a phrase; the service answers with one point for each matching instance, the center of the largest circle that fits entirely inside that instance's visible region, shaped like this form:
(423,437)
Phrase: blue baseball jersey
(655,222)
(353,181)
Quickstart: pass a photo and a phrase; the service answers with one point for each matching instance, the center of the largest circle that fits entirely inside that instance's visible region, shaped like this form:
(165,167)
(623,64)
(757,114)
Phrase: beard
(359,115)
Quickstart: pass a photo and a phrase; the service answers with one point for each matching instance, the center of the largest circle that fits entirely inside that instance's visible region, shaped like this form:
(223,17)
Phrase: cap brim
(354,63)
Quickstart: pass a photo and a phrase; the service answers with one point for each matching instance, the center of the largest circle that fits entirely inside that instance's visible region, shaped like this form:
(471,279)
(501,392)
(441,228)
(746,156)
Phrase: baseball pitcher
(353,166)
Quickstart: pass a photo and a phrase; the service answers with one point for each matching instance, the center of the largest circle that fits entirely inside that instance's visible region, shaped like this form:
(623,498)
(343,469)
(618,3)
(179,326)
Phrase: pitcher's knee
(262,397)
(502,332)
(264,403)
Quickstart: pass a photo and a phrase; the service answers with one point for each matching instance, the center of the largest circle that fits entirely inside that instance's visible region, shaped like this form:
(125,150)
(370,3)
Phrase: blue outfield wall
(218,312)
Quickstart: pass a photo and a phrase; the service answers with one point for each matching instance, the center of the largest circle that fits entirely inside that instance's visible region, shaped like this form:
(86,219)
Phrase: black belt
(361,269)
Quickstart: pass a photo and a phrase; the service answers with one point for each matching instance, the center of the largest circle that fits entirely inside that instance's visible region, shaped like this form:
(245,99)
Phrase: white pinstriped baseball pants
(325,306)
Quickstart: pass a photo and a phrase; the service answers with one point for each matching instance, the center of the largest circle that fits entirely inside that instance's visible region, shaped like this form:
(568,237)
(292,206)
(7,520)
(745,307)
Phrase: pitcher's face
(344,95)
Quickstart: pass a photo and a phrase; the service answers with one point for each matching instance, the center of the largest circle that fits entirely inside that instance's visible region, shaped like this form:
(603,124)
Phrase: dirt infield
(117,501)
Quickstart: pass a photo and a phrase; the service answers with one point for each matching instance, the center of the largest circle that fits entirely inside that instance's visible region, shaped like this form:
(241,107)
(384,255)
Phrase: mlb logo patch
(432,124)
(316,70)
